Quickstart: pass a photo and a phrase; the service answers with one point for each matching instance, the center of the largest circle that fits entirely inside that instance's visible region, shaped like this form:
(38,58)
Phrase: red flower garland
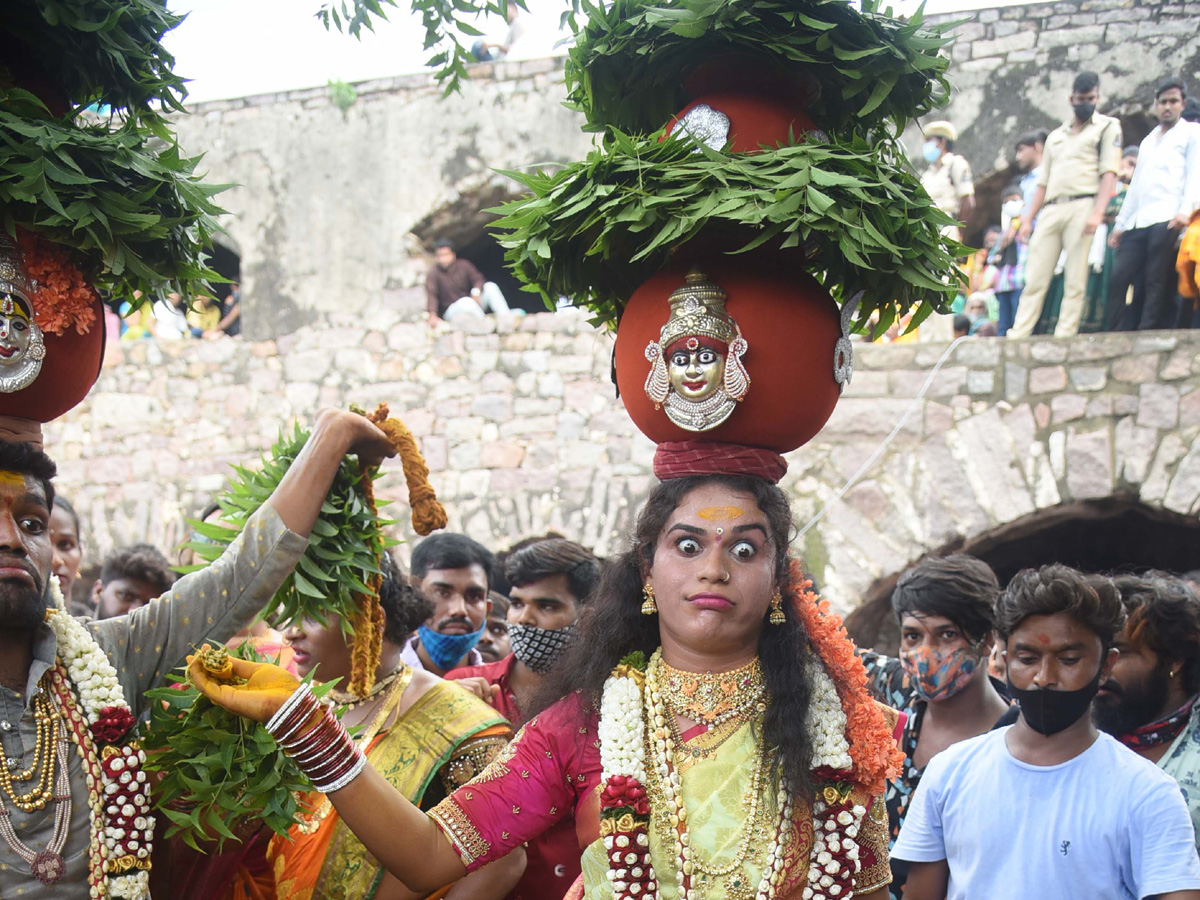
(112,725)
(62,297)
(876,755)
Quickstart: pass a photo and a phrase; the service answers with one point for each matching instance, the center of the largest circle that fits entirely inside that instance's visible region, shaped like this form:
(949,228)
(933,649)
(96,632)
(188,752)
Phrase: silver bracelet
(285,711)
(340,783)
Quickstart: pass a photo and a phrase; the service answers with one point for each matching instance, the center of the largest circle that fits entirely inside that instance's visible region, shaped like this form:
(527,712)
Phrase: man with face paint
(1078,177)
(550,581)
(45,839)
(1148,703)
(454,573)
(945,609)
(1050,806)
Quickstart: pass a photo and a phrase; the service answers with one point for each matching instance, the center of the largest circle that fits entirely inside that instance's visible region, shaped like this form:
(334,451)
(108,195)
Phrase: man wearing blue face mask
(1081,815)
(453,572)
(948,178)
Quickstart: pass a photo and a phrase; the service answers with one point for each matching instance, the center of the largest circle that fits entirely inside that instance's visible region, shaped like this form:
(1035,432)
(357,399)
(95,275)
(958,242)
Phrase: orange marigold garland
(62,297)
(876,755)
(427,515)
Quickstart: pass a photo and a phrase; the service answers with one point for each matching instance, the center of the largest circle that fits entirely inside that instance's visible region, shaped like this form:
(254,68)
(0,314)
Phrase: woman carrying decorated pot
(714,739)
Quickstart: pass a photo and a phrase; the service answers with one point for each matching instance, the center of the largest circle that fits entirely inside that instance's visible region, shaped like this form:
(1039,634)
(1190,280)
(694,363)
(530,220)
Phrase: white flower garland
(122,826)
(826,722)
(623,725)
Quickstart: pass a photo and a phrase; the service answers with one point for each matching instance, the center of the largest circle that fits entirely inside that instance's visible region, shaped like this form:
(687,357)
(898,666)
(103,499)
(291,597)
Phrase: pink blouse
(551,767)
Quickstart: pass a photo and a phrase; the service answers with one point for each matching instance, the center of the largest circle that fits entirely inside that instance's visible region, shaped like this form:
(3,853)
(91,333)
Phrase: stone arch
(464,219)
(1118,533)
(1007,429)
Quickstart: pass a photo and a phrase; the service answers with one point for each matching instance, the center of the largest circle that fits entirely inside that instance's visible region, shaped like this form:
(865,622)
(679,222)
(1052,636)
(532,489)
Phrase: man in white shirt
(1158,205)
(1050,806)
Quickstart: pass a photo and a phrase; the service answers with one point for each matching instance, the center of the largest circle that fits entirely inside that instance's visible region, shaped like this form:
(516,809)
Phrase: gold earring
(649,607)
(777,617)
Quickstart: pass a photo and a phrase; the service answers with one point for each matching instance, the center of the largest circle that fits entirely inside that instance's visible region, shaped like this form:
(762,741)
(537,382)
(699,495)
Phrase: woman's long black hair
(612,625)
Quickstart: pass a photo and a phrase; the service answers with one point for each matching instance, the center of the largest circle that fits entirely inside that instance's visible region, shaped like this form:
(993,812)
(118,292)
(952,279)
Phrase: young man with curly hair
(129,579)
(1050,806)
(1148,703)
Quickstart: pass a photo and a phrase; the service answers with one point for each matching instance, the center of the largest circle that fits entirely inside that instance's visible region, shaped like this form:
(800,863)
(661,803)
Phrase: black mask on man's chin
(1049,712)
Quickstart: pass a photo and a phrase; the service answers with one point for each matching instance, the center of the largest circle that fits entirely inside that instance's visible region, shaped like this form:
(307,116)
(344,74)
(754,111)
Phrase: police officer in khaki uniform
(1079,173)
(948,178)
(948,183)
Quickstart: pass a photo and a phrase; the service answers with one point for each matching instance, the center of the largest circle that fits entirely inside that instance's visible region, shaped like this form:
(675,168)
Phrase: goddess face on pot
(696,370)
(22,348)
(14,333)
(696,367)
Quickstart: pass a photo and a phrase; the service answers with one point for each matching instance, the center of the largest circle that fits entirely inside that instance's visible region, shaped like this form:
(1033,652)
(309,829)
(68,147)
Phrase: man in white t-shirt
(1049,806)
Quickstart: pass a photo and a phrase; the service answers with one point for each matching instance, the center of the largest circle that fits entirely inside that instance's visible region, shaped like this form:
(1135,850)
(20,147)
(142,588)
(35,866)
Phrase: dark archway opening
(1112,534)
(464,221)
(228,264)
(488,256)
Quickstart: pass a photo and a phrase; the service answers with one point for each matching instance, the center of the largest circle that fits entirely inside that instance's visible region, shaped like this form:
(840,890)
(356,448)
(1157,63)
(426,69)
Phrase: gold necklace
(671,823)
(348,701)
(41,770)
(399,681)
(714,698)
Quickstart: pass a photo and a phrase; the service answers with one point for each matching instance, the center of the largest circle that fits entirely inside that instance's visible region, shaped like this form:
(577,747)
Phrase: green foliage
(123,197)
(445,23)
(341,549)
(343,95)
(635,660)
(597,229)
(221,773)
(117,190)
(96,51)
(627,68)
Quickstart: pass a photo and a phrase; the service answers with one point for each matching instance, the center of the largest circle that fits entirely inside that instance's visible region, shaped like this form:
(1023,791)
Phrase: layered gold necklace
(50,747)
(722,702)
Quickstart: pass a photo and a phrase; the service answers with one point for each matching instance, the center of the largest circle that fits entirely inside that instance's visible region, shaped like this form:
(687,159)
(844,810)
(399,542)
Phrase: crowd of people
(170,317)
(1092,235)
(1012,703)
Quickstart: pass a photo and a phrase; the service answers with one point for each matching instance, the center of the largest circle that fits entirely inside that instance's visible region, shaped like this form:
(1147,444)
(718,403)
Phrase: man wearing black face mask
(1079,174)
(1082,815)
(550,581)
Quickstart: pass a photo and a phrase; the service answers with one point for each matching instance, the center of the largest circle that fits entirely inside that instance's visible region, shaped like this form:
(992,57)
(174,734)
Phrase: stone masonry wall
(522,433)
(1012,67)
(324,201)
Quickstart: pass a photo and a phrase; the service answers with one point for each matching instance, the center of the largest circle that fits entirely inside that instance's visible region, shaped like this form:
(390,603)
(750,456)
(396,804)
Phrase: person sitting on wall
(455,289)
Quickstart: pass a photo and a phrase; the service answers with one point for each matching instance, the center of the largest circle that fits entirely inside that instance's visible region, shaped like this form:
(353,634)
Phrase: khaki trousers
(1059,227)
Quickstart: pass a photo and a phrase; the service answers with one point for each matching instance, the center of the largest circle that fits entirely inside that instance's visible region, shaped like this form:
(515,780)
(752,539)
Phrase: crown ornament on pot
(22,345)
(696,368)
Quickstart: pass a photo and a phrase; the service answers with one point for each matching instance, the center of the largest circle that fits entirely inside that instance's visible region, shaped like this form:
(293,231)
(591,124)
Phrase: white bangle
(340,783)
(284,711)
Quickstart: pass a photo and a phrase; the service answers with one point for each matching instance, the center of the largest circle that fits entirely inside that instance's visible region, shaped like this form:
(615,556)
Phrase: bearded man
(72,826)
(1148,703)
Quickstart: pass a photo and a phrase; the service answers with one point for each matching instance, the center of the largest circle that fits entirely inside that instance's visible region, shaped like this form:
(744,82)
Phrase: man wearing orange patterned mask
(940,682)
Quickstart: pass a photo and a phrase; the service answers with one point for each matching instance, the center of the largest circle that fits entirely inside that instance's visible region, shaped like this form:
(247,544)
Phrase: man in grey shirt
(144,646)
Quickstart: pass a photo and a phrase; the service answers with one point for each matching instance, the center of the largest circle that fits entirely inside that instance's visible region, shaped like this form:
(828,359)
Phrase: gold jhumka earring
(776,617)
(649,607)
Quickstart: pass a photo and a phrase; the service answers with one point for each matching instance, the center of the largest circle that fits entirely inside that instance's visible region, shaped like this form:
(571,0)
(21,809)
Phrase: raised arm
(523,792)
(218,600)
